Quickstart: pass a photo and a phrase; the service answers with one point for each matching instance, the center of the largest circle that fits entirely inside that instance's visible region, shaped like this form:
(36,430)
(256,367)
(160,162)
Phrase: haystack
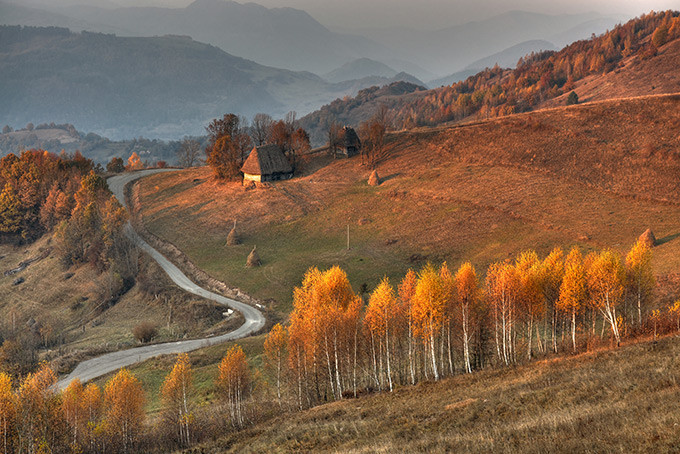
(232,238)
(374,179)
(253,258)
(648,238)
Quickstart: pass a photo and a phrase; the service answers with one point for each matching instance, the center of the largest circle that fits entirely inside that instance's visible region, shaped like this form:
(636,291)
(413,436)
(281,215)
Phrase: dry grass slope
(592,175)
(625,400)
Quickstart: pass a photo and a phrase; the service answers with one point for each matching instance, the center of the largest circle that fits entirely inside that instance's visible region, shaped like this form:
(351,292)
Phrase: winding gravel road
(96,367)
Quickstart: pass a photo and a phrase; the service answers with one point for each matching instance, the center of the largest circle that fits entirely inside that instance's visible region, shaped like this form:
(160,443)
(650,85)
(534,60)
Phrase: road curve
(96,367)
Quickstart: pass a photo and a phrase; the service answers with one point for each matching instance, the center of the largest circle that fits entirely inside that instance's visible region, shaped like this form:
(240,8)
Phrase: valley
(487,266)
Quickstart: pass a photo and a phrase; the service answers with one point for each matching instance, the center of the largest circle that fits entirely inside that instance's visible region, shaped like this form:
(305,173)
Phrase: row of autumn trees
(439,321)
(34,418)
(231,138)
(435,323)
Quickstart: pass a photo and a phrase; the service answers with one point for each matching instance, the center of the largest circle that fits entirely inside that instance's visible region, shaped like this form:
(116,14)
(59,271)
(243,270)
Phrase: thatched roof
(374,179)
(266,160)
(648,238)
(349,138)
(253,258)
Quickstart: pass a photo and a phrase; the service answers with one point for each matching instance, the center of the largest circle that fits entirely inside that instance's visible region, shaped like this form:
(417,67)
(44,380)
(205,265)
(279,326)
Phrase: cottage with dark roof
(266,163)
(348,142)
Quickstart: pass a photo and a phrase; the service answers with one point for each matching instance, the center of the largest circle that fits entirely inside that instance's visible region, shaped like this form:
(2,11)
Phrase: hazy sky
(347,14)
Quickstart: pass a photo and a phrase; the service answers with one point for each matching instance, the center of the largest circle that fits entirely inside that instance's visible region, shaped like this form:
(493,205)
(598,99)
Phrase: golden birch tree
(275,350)
(528,268)
(234,383)
(428,311)
(605,286)
(124,409)
(574,290)
(639,276)
(381,320)
(407,290)
(467,296)
(176,393)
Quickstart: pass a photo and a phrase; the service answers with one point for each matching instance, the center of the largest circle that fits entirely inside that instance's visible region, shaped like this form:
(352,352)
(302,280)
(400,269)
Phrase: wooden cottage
(266,163)
(348,142)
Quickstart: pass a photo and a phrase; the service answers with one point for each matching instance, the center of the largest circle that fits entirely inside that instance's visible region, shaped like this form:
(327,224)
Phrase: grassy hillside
(624,400)
(591,175)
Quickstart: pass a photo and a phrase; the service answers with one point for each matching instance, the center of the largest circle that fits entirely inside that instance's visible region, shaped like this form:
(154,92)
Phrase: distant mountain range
(290,38)
(163,87)
(358,69)
(281,37)
(167,84)
(452,49)
(636,65)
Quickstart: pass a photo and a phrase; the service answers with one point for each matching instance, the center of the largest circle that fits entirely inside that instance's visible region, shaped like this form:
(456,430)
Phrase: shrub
(145,332)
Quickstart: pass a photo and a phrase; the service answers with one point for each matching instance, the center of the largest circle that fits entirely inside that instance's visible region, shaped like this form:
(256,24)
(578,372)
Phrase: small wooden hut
(266,163)
(348,142)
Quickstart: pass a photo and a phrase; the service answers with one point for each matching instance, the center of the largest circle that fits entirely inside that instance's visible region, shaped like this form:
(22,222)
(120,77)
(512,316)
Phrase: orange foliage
(124,409)
(176,393)
(234,382)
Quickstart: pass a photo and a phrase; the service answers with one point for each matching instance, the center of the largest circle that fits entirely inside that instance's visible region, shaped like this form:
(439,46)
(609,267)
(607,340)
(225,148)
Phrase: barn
(266,163)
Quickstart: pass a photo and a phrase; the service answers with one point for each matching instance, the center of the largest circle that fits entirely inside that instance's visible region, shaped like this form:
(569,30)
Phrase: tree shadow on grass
(667,238)
(389,177)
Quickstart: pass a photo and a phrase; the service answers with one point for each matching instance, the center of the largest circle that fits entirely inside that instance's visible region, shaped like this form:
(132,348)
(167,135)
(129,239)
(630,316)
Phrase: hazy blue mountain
(290,38)
(358,69)
(37,16)
(452,78)
(506,59)
(281,37)
(163,87)
(454,48)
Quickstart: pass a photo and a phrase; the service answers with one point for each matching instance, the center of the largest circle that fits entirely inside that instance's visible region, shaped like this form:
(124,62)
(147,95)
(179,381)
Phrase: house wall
(249,177)
(263,178)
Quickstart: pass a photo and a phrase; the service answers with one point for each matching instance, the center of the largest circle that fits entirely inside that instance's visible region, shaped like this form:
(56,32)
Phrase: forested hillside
(538,78)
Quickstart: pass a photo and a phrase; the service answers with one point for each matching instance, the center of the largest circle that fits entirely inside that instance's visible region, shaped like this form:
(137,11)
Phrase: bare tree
(260,130)
(334,129)
(289,137)
(189,152)
(373,133)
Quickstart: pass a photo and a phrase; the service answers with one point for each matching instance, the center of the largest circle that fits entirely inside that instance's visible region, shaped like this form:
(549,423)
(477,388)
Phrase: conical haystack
(648,238)
(232,238)
(374,179)
(253,258)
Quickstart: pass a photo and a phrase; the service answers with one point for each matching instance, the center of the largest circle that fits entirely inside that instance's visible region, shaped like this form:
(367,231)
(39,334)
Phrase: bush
(145,332)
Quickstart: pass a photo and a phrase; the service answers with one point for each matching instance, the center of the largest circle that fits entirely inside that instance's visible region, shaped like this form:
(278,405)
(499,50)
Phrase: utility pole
(347,236)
